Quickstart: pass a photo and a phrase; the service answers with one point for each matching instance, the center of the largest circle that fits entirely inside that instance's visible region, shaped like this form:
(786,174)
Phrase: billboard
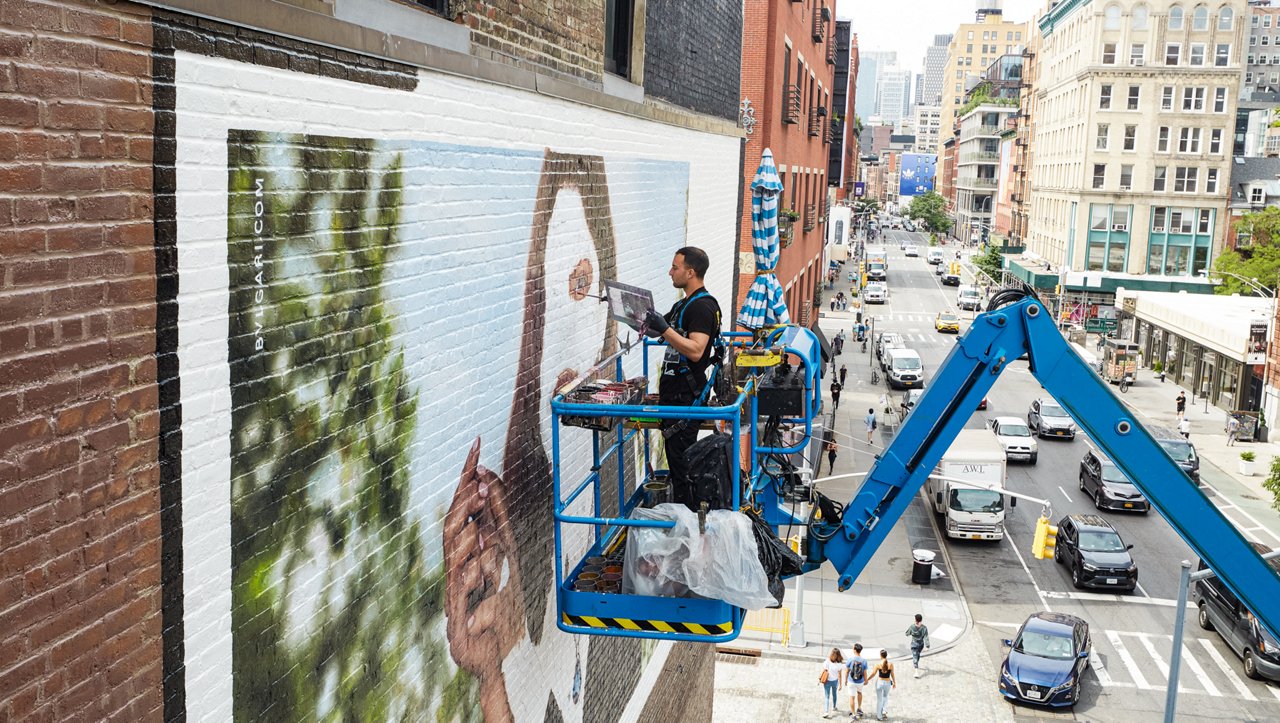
(916,177)
(859,189)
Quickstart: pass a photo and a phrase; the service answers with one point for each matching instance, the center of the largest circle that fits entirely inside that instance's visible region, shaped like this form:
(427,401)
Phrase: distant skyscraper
(871,62)
(919,89)
(894,91)
(935,66)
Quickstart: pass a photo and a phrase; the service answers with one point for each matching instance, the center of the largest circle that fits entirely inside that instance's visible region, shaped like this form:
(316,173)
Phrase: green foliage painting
(337,614)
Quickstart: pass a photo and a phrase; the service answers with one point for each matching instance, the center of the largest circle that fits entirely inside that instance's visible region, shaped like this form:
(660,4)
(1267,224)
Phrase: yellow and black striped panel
(651,626)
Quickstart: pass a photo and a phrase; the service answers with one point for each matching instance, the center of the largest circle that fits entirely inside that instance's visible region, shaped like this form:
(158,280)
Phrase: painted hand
(483,602)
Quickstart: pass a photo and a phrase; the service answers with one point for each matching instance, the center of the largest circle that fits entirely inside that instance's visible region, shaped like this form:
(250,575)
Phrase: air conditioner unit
(1119,227)
(1157,229)
(1139,63)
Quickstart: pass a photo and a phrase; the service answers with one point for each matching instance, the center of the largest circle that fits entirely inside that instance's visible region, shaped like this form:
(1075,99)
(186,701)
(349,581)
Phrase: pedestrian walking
(833,303)
(844,372)
(1181,405)
(840,337)
(1233,430)
(836,388)
(831,457)
(831,677)
(870,421)
(856,679)
(919,634)
(886,681)
(1185,427)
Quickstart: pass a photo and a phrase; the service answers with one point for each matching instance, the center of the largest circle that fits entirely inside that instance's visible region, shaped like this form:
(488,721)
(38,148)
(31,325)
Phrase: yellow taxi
(946,321)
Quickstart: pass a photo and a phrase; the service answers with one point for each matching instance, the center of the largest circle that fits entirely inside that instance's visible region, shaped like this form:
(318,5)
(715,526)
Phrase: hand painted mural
(392,356)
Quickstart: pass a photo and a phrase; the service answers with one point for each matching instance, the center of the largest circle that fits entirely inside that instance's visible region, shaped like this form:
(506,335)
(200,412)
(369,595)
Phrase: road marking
(1100,670)
(1161,664)
(1128,660)
(1216,657)
(1143,590)
(1064,493)
(1196,670)
(1104,597)
(993,624)
(1043,599)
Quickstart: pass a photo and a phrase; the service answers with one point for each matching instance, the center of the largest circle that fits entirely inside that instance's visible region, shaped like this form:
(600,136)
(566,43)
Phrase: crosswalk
(1141,660)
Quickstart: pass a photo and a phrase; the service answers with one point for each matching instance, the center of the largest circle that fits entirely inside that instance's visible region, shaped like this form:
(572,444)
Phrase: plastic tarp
(722,564)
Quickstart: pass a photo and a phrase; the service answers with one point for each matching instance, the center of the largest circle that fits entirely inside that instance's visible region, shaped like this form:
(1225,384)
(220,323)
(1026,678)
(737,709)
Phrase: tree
(991,262)
(930,209)
(1256,257)
(1272,482)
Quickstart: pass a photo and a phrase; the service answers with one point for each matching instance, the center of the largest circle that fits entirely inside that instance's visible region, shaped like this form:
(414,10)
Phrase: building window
(1157,182)
(1175,18)
(1249,61)
(1120,218)
(1162,140)
(1254,21)
(1111,18)
(1172,53)
(1225,18)
(1185,179)
(968,48)
(1166,98)
(1266,21)
(1158,215)
(618,16)
(1139,17)
(1193,98)
(1255,196)
(1100,143)
(1211,180)
(1275,78)
(1200,18)
(970,35)
(786,81)
(1104,98)
(1126,177)
(1215,141)
(1130,138)
(1017,35)
(1253,41)
(1196,54)
(1138,54)
(1189,140)
(1266,40)
(1135,94)
(1099,175)
(1108,53)
(1219,100)
(1248,77)
(1098,217)
(1221,55)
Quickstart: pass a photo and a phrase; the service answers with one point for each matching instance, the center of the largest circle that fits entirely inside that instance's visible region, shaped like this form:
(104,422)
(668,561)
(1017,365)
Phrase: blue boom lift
(1014,324)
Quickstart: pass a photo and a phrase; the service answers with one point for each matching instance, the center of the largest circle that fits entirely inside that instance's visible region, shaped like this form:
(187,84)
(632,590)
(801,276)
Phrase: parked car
(887,340)
(934,257)
(1048,419)
(1016,438)
(968,298)
(911,250)
(1046,660)
(1094,554)
(1180,449)
(1108,486)
(1220,610)
(876,293)
(947,321)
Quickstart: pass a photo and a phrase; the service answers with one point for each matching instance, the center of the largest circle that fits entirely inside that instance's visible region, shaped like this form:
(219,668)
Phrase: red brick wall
(79,502)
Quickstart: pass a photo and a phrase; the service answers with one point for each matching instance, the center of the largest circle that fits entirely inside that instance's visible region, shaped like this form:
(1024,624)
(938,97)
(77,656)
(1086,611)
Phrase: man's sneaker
(917,673)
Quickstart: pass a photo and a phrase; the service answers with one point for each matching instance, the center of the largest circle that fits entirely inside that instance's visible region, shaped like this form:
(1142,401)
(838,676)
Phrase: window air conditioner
(1119,227)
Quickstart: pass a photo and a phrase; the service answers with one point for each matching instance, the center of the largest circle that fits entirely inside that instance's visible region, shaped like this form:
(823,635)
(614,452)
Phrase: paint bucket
(656,493)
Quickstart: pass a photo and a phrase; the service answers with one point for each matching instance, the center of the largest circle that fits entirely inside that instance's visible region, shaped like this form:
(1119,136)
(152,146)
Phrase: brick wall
(693,54)
(564,38)
(79,496)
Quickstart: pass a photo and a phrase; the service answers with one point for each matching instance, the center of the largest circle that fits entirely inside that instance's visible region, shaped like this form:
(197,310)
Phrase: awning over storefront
(1032,272)
(1219,323)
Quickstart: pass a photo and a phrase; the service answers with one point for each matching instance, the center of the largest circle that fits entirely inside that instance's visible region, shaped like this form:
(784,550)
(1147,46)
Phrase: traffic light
(1045,539)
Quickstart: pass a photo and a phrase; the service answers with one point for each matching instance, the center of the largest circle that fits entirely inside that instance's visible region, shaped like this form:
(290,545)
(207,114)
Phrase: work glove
(654,324)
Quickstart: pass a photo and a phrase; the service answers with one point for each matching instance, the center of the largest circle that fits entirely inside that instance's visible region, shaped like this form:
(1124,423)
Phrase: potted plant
(1246,463)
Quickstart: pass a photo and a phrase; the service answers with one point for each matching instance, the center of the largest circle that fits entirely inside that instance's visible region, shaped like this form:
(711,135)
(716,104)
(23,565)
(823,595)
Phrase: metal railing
(819,23)
(791,104)
(835,131)
(810,217)
(815,122)
(980,131)
(963,182)
(979,156)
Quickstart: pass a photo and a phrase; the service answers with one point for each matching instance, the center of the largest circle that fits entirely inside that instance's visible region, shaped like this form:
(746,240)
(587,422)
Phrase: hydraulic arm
(996,337)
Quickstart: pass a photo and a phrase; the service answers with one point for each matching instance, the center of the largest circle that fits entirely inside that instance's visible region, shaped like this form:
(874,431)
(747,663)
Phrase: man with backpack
(690,330)
(857,679)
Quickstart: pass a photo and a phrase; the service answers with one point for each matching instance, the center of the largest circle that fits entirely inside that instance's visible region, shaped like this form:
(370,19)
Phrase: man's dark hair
(696,259)
(918,617)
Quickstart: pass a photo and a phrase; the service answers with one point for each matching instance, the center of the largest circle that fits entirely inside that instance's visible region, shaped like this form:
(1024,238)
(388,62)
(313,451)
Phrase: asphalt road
(1003,583)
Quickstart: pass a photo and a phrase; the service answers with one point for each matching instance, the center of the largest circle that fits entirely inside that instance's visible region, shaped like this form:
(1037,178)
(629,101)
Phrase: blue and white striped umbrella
(764,305)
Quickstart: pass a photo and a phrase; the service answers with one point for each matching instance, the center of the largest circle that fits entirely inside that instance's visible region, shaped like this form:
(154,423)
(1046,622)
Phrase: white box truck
(972,511)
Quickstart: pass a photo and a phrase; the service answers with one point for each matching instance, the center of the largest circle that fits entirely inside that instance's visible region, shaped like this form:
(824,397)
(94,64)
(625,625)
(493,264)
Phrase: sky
(908,26)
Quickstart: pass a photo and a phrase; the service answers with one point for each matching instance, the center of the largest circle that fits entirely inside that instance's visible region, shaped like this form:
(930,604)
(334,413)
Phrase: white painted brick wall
(456,285)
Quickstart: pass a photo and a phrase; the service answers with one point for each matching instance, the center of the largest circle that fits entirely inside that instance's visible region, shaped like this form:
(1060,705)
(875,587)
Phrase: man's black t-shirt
(701,313)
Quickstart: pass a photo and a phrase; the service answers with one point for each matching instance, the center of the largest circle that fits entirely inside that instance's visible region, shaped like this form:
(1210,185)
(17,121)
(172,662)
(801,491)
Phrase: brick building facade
(788,68)
(250,260)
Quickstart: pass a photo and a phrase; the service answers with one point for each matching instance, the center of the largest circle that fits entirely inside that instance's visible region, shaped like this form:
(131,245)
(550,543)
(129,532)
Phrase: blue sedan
(1046,660)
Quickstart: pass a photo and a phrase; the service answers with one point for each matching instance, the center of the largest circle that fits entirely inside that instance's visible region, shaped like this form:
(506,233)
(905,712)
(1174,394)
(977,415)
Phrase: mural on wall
(392,358)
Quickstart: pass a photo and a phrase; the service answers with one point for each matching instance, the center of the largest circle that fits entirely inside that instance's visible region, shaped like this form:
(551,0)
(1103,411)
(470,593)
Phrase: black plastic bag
(777,559)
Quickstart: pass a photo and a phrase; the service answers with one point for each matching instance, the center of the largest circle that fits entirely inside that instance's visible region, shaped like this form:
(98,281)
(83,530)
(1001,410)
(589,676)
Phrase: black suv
(1094,553)
(1179,448)
(1047,419)
(1221,610)
(1108,486)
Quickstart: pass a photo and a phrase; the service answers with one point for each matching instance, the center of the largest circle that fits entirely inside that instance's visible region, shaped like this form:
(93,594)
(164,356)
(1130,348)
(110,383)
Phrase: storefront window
(1227,385)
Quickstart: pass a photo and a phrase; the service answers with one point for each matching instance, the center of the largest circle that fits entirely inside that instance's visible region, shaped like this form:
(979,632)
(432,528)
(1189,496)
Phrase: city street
(1002,583)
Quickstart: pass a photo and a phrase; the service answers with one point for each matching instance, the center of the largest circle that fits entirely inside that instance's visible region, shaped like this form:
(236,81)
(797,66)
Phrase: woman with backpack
(831,677)
(885,680)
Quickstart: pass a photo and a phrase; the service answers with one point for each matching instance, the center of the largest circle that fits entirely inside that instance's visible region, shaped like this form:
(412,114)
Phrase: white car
(911,250)
(1016,438)
(876,294)
(935,256)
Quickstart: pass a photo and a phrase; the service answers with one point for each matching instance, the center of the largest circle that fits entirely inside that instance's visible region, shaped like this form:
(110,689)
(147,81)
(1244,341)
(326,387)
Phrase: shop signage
(1257,351)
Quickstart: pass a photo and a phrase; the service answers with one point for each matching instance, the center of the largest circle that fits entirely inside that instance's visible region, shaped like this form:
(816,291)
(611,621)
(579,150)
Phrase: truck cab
(973,508)
(969,298)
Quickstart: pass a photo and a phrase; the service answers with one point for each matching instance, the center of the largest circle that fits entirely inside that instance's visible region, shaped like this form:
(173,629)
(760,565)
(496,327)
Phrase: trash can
(922,567)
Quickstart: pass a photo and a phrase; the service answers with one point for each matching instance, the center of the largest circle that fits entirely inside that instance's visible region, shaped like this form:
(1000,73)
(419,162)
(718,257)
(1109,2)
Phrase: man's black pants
(680,434)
